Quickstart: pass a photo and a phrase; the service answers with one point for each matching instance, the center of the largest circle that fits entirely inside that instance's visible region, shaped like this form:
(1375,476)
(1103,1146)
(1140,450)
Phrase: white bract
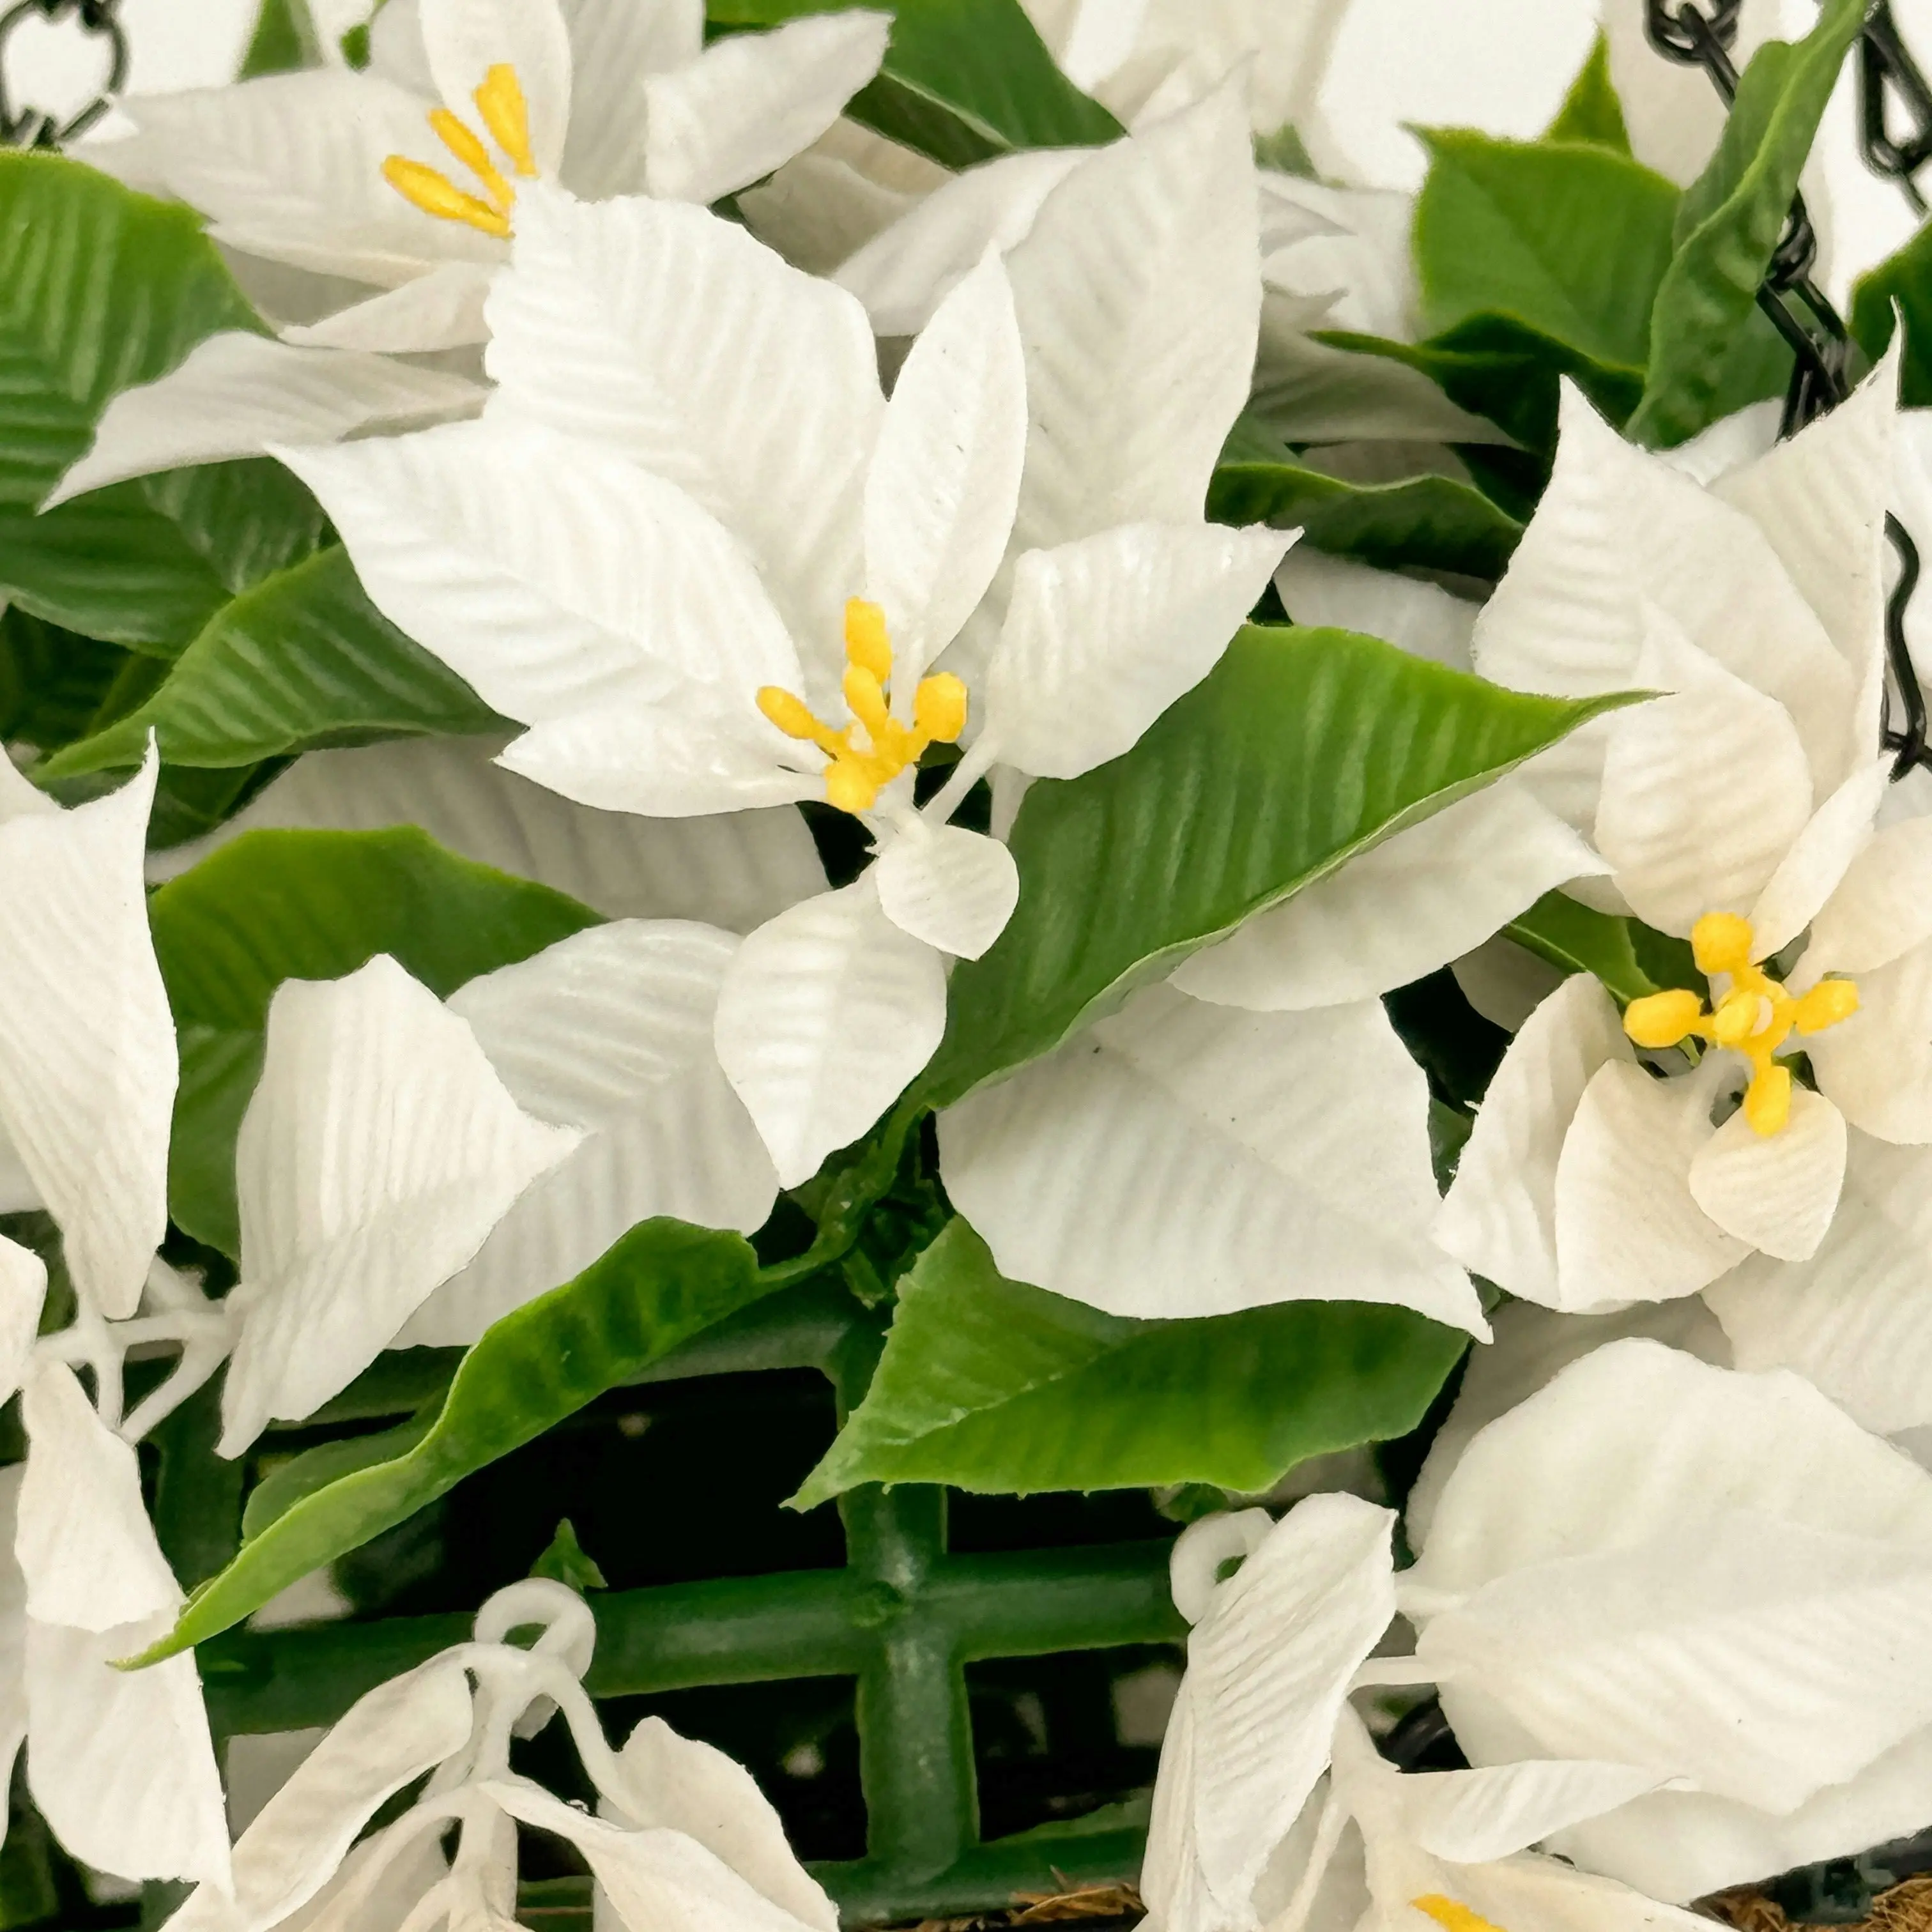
(698,604)
(685,1839)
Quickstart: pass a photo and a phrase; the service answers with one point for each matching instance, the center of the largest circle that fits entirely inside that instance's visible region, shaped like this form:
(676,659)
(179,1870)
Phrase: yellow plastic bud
(1740,1014)
(868,646)
(939,708)
(1767,1099)
(436,194)
(1827,1003)
(866,701)
(792,715)
(507,116)
(849,787)
(1721,942)
(1452,1915)
(1660,1020)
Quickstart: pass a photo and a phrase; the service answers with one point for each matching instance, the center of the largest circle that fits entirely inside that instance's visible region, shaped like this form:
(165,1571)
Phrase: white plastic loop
(1194,1570)
(569,1629)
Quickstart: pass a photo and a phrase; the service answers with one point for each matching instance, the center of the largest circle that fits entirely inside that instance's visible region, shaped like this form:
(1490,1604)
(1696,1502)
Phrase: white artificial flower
(685,1836)
(1715,1577)
(698,604)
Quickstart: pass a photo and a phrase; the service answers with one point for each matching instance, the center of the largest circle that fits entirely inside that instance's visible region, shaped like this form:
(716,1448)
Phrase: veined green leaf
(52,681)
(1590,110)
(1575,938)
(963,81)
(1301,749)
(281,905)
(1905,279)
(302,659)
(663,1283)
(994,1387)
(1729,223)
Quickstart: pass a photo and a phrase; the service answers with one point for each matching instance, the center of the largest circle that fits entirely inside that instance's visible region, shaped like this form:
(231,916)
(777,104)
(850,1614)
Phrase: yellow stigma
(1755,1017)
(1452,1915)
(873,750)
(500,102)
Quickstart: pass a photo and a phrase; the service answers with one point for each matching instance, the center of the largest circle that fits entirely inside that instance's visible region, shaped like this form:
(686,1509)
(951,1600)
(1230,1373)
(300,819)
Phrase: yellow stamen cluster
(500,102)
(1452,1915)
(868,754)
(1755,1017)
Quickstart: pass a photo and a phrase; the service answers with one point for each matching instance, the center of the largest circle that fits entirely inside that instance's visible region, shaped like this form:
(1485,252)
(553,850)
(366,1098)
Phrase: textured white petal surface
(442,310)
(954,889)
(751,101)
(610,1031)
(825,1013)
(13,1627)
(464,39)
(614,46)
(1810,872)
(237,393)
(88,1064)
(1882,907)
(1876,1066)
(945,478)
(1402,909)
(83,1540)
(23,1292)
(1182,1159)
(553,576)
(379,1150)
(734,870)
(1103,633)
(1776,1192)
(1421,618)
(1499,1217)
(664,332)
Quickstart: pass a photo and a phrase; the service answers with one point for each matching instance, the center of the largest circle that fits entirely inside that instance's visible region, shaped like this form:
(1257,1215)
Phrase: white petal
(610,1031)
(1810,873)
(553,576)
(752,101)
(1704,791)
(827,1011)
(1856,1318)
(1185,1160)
(614,44)
(1776,1193)
(1545,1892)
(904,272)
(735,870)
(1627,1226)
(23,1292)
(13,1627)
(295,1843)
(1881,909)
(1402,909)
(663,332)
(1876,1066)
(377,1152)
(1139,297)
(819,210)
(84,1541)
(87,1044)
(237,394)
(1499,1217)
(1103,633)
(945,479)
(685,1786)
(464,39)
(442,310)
(120,1762)
(954,889)
(1421,618)
(1471,1817)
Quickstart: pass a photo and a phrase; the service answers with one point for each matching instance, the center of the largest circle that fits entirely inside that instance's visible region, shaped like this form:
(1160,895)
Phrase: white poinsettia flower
(685,1838)
(1716,1577)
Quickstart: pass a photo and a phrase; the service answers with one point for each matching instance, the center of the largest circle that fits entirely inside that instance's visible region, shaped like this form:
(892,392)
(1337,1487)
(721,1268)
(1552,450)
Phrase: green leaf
(1590,110)
(285,1484)
(993,1387)
(312,905)
(1904,278)
(1432,522)
(567,1562)
(1728,226)
(100,289)
(284,39)
(302,659)
(52,681)
(1575,939)
(663,1283)
(1301,748)
(963,81)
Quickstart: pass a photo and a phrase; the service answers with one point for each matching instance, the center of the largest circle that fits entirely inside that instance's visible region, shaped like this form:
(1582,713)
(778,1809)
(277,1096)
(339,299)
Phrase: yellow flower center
(869,753)
(1755,1018)
(1452,1915)
(500,102)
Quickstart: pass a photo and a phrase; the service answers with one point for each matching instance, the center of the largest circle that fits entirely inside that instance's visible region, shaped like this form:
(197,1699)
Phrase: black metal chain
(1800,310)
(27,126)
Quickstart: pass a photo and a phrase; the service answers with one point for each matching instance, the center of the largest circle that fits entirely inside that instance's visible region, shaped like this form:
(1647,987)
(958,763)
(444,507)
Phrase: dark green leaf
(1302,748)
(964,80)
(1905,279)
(996,1387)
(52,681)
(313,905)
(1590,110)
(1575,939)
(663,1283)
(566,1561)
(284,39)
(302,659)
(1729,223)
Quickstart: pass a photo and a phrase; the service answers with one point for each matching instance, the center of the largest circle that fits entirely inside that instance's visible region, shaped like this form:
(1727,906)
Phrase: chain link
(28,127)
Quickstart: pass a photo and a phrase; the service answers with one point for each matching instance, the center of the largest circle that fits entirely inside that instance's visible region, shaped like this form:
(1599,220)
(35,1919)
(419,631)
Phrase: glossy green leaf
(1728,226)
(302,659)
(1590,110)
(963,81)
(1575,938)
(1904,279)
(1301,749)
(663,1283)
(278,905)
(996,1387)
